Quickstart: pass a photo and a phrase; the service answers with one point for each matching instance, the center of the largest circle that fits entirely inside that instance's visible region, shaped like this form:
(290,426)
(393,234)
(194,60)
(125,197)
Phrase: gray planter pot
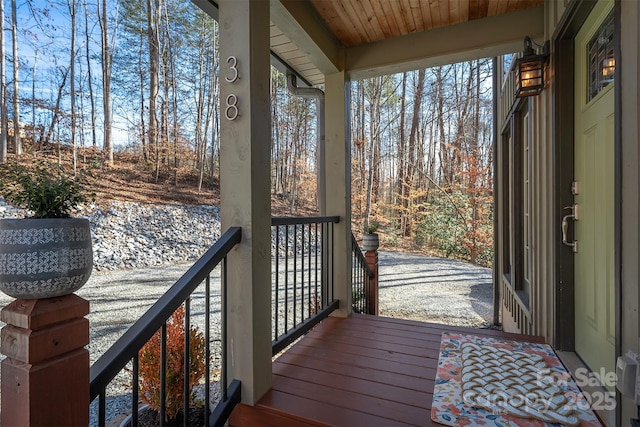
(370,242)
(44,257)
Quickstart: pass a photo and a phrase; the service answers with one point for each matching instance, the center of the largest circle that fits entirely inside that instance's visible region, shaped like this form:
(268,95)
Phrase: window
(516,204)
(602,63)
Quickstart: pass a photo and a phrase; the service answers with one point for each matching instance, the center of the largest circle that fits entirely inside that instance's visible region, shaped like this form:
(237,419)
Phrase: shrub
(44,190)
(371,227)
(458,226)
(149,366)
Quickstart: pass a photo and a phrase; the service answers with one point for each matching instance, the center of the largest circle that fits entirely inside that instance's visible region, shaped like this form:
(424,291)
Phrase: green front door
(594,191)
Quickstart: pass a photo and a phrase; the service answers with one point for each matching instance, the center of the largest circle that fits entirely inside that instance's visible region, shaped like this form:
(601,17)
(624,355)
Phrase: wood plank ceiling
(357,22)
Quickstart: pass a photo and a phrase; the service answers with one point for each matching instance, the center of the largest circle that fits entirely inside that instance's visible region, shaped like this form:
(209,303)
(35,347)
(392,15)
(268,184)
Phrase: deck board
(362,386)
(363,370)
(375,374)
(347,361)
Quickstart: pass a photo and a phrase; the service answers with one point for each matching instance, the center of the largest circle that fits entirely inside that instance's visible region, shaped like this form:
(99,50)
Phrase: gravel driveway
(434,289)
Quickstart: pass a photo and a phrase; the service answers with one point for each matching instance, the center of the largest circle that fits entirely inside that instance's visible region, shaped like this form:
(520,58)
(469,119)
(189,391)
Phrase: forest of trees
(422,157)
(141,77)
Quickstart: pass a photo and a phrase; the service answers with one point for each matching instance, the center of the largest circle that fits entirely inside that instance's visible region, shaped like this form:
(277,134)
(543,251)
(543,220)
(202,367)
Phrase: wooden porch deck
(360,371)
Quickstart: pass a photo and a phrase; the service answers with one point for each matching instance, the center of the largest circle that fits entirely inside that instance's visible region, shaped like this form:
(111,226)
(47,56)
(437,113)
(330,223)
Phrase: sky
(43,46)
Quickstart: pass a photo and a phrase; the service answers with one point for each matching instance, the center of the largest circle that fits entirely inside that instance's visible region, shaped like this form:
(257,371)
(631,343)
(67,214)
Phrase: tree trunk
(16,73)
(89,77)
(33,103)
(401,154)
(152,33)
(201,82)
(144,137)
(72,72)
(445,165)
(56,110)
(107,59)
(375,95)
(3,92)
(411,161)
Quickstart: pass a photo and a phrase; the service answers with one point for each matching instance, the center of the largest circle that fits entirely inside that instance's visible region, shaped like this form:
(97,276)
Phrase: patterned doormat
(489,381)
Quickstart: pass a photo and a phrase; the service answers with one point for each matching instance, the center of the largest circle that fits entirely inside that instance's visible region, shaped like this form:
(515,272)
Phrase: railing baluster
(223,331)
(102,416)
(134,394)
(163,373)
(207,347)
(309,264)
(323,273)
(277,280)
(330,246)
(187,360)
(286,278)
(302,273)
(354,279)
(318,251)
(295,271)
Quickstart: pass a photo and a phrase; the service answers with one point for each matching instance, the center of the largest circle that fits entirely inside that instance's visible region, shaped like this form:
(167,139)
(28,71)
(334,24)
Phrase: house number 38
(231,111)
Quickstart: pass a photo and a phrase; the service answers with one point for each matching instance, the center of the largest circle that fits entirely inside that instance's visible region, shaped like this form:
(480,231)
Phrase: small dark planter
(44,257)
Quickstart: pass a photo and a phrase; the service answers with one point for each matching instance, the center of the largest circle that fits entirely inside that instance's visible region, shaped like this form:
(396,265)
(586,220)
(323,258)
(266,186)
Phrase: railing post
(45,377)
(372,262)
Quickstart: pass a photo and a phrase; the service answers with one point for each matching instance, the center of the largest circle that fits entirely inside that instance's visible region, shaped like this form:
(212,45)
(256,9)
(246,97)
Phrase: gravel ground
(435,290)
(411,287)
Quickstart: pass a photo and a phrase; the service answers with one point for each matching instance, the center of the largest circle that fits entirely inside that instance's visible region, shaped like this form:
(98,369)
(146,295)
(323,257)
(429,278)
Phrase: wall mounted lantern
(529,70)
(608,69)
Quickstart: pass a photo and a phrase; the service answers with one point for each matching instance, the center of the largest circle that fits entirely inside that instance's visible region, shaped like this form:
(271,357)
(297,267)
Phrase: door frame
(562,57)
(563,96)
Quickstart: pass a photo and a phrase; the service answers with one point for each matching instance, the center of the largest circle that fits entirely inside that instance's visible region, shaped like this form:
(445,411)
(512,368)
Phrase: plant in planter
(48,254)
(149,362)
(370,239)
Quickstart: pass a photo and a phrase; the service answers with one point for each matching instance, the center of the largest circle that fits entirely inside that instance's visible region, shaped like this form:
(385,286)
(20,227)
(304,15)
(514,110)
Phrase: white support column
(245,190)
(338,182)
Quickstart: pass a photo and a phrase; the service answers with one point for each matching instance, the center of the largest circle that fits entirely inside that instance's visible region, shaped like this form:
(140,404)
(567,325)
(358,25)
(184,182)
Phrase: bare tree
(153,12)
(3,92)
(56,110)
(72,71)
(402,149)
(16,69)
(87,43)
(33,100)
(107,60)
(374,94)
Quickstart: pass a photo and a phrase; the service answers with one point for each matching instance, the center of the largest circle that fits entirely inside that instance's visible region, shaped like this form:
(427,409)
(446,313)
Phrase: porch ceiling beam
(481,38)
(299,21)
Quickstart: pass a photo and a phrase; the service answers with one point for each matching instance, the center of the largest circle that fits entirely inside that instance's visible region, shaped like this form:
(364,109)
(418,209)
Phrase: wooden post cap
(45,377)
(36,314)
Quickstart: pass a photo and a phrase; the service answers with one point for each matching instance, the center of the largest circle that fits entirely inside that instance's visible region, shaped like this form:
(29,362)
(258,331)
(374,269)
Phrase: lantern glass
(530,76)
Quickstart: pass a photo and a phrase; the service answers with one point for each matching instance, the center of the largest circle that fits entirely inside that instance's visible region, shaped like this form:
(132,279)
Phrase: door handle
(573,215)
